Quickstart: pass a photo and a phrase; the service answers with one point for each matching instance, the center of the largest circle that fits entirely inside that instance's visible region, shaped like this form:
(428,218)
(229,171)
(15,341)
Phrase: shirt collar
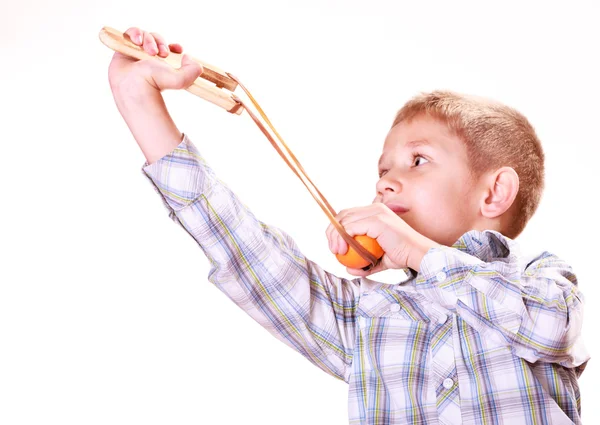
(487,245)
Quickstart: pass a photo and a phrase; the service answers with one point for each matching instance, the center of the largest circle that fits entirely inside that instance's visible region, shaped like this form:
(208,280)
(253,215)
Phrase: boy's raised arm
(257,266)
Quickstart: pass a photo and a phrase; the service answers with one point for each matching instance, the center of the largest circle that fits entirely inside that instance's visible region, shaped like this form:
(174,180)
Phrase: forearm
(259,267)
(149,121)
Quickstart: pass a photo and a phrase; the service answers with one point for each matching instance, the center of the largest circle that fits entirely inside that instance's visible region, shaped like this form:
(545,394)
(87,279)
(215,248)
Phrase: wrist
(135,93)
(145,113)
(421,247)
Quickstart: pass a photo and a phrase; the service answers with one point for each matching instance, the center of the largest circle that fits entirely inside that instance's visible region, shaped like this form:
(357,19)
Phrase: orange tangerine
(351,258)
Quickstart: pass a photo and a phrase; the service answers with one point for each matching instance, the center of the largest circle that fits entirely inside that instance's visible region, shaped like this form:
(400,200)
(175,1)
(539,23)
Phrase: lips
(398,209)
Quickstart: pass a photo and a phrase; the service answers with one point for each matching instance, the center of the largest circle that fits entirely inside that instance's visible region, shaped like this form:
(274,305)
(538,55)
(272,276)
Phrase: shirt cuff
(471,252)
(443,265)
(180,177)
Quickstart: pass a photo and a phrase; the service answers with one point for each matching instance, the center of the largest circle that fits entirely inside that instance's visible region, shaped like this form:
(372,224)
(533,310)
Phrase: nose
(387,184)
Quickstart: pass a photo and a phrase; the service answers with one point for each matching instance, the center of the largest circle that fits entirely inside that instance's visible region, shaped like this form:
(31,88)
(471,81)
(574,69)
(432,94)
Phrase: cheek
(435,192)
(444,196)
(459,203)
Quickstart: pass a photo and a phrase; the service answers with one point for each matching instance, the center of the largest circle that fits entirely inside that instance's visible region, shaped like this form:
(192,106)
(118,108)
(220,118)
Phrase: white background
(106,314)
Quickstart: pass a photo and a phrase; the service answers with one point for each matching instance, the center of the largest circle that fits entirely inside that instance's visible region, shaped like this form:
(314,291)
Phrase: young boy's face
(425,179)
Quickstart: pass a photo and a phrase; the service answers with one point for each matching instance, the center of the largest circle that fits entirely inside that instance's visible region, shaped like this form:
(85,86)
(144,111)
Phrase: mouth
(396,208)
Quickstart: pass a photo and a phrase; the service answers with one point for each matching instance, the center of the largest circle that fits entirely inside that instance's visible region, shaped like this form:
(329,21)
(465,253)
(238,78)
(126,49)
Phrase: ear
(501,191)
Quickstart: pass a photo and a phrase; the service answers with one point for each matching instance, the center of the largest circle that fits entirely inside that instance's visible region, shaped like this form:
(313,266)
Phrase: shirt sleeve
(535,308)
(259,267)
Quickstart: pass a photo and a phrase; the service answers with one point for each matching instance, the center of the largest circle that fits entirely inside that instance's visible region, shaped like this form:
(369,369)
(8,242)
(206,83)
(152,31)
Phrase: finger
(328,234)
(195,69)
(175,48)
(370,226)
(339,244)
(150,46)
(166,77)
(349,216)
(334,240)
(342,245)
(350,228)
(380,266)
(163,49)
(356,214)
(358,272)
(136,35)
(342,214)
(333,236)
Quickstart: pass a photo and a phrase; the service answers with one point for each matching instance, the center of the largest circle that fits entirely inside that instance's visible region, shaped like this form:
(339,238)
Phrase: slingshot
(217,87)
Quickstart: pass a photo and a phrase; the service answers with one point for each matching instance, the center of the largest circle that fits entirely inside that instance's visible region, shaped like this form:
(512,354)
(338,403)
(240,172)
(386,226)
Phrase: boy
(475,335)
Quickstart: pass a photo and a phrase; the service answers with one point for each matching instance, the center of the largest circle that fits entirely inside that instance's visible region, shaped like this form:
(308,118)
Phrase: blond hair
(495,136)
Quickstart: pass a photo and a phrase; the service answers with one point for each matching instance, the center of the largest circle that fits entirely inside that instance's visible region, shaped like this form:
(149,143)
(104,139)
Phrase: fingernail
(138,39)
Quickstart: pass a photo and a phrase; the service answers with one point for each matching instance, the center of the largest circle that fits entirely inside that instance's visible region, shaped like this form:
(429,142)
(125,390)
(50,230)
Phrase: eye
(419,160)
(382,173)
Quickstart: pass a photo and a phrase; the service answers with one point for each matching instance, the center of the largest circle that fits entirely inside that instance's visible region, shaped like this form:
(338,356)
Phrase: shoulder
(548,265)
(493,247)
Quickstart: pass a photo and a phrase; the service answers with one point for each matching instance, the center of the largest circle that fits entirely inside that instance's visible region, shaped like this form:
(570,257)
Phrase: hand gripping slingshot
(217,87)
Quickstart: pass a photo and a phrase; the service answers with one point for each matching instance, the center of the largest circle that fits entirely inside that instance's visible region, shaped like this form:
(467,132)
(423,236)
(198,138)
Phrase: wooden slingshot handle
(120,42)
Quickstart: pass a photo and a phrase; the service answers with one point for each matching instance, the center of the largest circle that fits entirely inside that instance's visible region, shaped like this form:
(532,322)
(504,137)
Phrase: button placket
(362,323)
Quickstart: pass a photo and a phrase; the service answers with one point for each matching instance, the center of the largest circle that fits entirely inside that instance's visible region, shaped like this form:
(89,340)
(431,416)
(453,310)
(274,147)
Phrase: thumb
(165,77)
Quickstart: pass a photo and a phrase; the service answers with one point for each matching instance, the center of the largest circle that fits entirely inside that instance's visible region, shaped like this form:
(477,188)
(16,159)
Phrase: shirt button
(448,383)
(441,276)
(395,308)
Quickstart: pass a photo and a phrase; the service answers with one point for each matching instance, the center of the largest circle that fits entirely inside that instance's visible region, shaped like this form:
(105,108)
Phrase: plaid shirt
(479,336)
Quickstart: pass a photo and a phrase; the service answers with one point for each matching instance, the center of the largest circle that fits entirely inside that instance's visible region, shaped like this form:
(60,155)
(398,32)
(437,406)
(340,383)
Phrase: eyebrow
(412,144)
(419,142)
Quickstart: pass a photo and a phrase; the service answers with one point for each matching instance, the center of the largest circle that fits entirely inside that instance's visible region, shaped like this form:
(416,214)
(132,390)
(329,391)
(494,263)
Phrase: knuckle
(148,39)
(135,34)
(343,213)
(159,38)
